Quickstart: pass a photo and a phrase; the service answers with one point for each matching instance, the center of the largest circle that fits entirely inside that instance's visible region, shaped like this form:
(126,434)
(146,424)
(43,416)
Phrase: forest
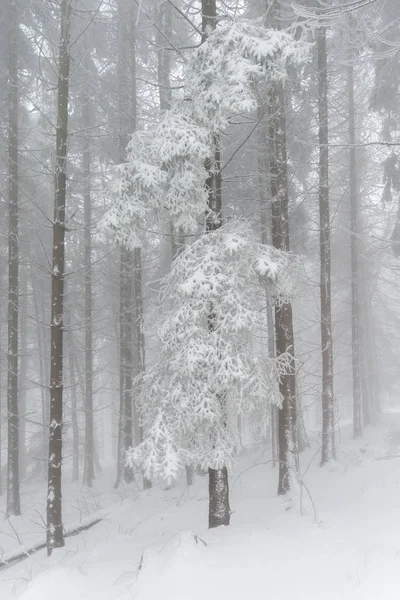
(199,273)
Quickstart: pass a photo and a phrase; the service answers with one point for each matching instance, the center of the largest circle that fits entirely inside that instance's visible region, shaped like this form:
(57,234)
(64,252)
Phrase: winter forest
(200,283)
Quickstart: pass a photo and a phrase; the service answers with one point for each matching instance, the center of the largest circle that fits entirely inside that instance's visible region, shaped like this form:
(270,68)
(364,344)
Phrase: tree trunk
(164,33)
(218,487)
(140,339)
(354,226)
(367,371)
(127,121)
(13,496)
(42,362)
(126,366)
(74,417)
(22,378)
(88,470)
(1,421)
(218,490)
(265,203)
(283,313)
(55,535)
(328,448)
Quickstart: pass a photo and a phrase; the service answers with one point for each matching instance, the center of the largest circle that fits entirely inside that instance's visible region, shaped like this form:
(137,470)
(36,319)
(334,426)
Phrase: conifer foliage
(191,397)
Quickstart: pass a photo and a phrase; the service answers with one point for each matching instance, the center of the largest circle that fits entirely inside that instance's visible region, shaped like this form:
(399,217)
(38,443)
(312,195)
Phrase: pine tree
(328,450)
(88,472)
(355,292)
(55,533)
(13,495)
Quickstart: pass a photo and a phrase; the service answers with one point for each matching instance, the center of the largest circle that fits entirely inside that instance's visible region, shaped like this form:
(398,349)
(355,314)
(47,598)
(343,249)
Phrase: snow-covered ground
(271,550)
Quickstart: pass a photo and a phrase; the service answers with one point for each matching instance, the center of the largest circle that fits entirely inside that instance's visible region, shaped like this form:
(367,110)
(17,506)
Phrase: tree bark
(88,470)
(55,535)
(127,121)
(140,339)
(1,421)
(13,494)
(126,367)
(164,33)
(218,486)
(265,223)
(218,489)
(41,341)
(355,298)
(74,417)
(328,447)
(22,373)
(283,313)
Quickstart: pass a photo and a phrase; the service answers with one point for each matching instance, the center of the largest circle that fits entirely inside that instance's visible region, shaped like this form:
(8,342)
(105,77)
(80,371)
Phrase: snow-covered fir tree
(192,396)
(168,169)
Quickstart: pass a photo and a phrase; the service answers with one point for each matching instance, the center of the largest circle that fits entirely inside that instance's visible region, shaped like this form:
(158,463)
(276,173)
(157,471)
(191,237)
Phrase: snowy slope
(352,551)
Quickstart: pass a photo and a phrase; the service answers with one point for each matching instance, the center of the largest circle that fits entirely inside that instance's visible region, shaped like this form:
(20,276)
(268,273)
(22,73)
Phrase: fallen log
(6,562)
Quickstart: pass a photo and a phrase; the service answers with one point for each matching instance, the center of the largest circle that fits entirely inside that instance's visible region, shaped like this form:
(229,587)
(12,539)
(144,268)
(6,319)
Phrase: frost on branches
(207,373)
(223,72)
(165,167)
(165,170)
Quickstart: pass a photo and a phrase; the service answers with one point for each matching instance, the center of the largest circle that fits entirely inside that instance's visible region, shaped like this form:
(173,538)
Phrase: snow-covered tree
(165,166)
(191,397)
(175,168)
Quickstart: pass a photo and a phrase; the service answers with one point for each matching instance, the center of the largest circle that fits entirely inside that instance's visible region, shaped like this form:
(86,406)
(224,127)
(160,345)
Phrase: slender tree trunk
(218,485)
(55,534)
(1,418)
(88,471)
(13,496)
(355,298)
(22,379)
(328,448)
(365,342)
(127,123)
(369,343)
(283,313)
(116,406)
(126,367)
(265,202)
(164,33)
(74,418)
(140,339)
(42,362)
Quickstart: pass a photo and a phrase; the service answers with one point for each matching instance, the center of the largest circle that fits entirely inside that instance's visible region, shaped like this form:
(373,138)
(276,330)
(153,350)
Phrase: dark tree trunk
(55,535)
(355,298)
(218,509)
(283,313)
(13,497)
(328,449)
(218,489)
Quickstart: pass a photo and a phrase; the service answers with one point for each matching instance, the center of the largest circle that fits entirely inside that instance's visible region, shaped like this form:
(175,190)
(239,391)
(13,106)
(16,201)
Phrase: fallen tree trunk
(5,562)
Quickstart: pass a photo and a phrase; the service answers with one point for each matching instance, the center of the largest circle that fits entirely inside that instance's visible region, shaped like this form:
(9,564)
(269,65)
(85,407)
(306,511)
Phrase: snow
(351,552)
(207,312)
